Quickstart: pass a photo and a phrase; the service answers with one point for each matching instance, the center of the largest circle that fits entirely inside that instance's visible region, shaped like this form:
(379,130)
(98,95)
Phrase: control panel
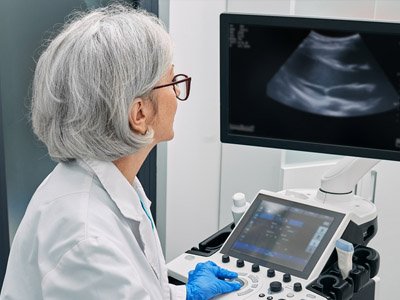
(281,250)
(257,282)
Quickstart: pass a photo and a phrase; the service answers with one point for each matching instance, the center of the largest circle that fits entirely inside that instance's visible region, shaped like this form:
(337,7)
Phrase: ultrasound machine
(317,85)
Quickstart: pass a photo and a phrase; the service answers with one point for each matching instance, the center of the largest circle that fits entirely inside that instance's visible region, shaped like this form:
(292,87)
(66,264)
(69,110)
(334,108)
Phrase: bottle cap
(239,199)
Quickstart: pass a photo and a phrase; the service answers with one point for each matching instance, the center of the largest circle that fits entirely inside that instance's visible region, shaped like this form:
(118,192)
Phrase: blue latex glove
(207,281)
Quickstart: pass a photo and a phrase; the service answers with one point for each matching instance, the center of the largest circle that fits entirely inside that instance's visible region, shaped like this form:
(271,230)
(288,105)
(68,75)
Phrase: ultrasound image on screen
(333,76)
(282,235)
(315,86)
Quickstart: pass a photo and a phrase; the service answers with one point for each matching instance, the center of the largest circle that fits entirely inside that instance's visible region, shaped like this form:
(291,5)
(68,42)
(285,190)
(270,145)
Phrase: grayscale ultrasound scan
(313,85)
(333,76)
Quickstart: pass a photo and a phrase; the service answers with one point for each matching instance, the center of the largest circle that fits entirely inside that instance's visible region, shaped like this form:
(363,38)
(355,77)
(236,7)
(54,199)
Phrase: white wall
(194,156)
(246,169)
(200,171)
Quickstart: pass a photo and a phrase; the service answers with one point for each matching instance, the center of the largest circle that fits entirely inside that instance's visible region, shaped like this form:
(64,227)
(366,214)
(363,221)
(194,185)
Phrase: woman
(104,94)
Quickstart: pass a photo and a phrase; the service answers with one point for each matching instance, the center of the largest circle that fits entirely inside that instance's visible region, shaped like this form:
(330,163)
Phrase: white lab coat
(85,235)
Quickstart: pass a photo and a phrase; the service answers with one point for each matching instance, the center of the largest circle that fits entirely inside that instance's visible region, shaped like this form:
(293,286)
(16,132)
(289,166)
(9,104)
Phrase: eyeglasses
(181,86)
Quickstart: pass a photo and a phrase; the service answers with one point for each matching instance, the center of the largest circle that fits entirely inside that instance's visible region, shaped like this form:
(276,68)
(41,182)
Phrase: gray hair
(88,77)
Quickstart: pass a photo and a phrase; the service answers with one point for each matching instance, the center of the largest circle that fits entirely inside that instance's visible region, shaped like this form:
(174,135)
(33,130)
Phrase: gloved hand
(207,281)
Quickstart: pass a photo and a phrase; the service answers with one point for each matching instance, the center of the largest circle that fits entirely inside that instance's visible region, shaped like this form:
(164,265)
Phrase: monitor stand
(338,183)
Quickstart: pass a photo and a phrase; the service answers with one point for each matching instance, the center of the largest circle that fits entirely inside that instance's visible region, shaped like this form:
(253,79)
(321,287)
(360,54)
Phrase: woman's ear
(140,115)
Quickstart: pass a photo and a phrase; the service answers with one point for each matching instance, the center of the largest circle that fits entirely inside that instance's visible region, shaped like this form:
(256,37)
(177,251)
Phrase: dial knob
(297,287)
(275,286)
(287,277)
(238,280)
(240,263)
(255,268)
(271,273)
(225,259)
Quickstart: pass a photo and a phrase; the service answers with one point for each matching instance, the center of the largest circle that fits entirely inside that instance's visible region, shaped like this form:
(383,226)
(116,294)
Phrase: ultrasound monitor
(329,86)
(284,235)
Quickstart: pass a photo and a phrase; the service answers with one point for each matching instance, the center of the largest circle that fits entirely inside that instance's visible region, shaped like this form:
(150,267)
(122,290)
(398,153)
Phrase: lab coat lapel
(157,259)
(128,198)
(163,271)
(147,233)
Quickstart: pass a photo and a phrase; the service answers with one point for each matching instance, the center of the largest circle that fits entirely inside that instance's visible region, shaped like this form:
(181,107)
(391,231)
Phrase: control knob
(225,258)
(255,268)
(271,273)
(275,286)
(240,263)
(297,287)
(287,277)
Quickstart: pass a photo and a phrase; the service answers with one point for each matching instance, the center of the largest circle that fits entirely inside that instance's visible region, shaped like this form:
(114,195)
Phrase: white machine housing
(257,284)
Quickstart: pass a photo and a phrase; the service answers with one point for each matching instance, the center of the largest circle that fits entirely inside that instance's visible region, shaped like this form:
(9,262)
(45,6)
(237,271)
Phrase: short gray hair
(87,78)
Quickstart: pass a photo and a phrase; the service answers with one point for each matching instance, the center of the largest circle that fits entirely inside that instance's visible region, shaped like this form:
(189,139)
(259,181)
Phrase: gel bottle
(239,207)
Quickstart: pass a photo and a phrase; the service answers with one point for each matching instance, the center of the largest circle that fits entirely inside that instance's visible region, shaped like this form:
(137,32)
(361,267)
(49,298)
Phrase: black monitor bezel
(337,216)
(4,230)
(292,22)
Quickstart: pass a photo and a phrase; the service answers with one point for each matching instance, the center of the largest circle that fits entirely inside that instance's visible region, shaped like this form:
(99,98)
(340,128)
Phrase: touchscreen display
(284,234)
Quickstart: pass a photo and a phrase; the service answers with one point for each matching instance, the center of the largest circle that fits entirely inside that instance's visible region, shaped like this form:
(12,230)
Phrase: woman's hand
(207,281)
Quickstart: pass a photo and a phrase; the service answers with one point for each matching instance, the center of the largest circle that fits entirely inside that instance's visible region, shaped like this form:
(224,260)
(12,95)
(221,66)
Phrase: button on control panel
(271,273)
(240,263)
(225,259)
(297,287)
(287,277)
(255,268)
(275,286)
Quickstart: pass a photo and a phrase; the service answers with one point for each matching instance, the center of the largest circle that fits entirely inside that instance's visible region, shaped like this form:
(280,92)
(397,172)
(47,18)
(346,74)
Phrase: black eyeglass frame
(187,80)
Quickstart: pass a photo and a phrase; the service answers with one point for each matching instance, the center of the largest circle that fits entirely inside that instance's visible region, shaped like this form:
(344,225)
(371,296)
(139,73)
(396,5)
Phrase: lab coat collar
(126,196)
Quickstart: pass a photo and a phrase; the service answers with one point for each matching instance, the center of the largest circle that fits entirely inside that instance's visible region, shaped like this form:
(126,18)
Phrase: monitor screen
(329,86)
(284,235)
